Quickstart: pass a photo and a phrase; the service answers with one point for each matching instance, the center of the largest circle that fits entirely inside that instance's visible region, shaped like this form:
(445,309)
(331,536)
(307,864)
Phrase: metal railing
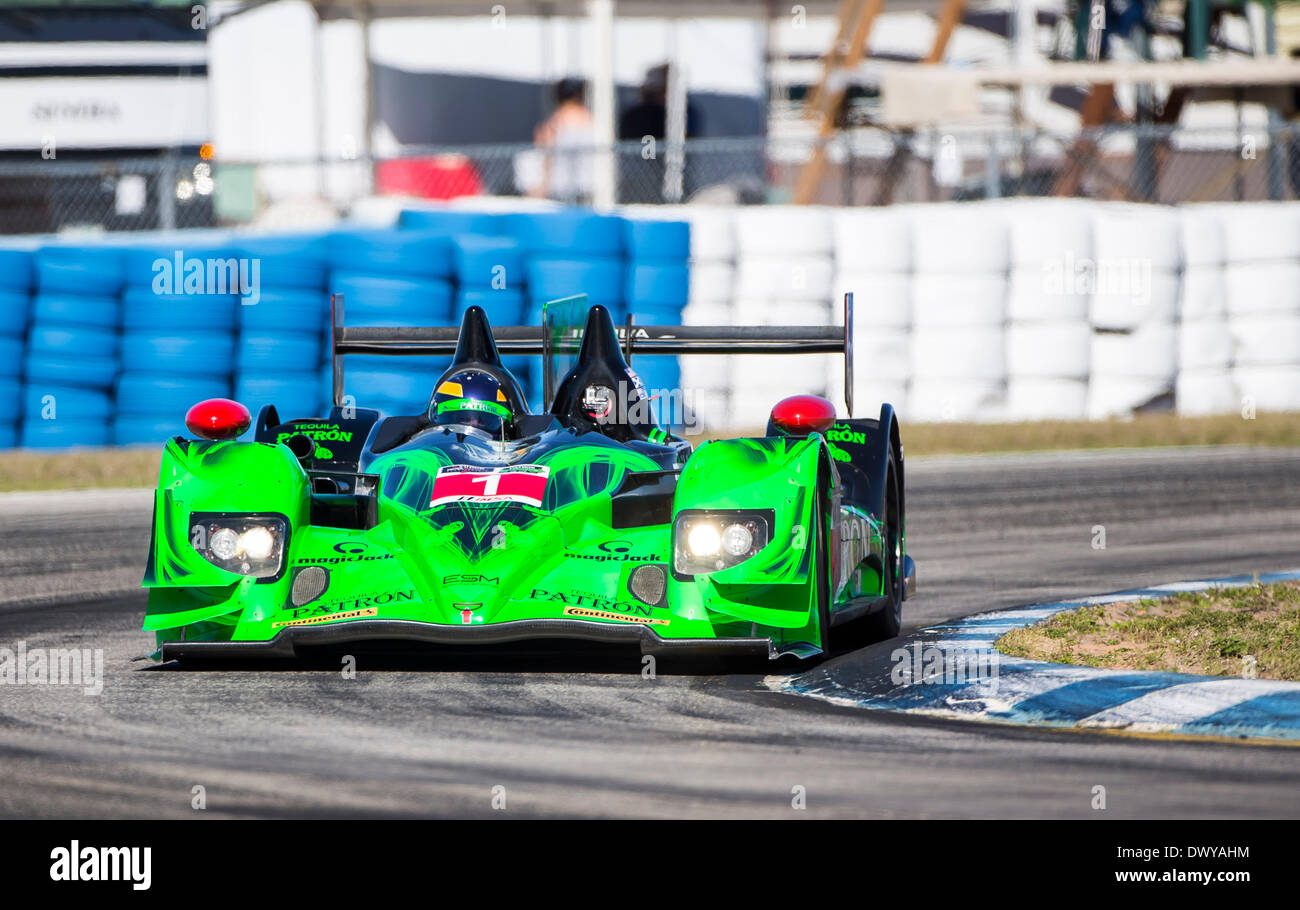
(869,166)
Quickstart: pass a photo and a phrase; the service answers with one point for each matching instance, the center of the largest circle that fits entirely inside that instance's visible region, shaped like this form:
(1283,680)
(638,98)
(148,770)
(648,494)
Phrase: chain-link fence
(1158,164)
(111,194)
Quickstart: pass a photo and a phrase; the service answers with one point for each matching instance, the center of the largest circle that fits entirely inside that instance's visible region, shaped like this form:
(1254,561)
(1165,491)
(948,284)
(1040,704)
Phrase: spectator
(642,172)
(566,138)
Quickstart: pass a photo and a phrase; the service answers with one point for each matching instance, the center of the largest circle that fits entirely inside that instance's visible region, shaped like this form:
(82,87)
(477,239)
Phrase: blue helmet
(472,397)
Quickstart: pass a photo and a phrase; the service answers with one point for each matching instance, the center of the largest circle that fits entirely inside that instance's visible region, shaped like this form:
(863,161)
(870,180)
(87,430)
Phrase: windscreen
(563,322)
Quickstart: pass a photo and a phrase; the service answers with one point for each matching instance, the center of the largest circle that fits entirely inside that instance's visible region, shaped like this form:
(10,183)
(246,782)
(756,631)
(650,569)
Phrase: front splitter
(286,642)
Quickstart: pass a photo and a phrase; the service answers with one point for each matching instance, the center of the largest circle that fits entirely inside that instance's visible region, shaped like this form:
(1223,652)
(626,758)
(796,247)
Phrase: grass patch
(89,469)
(1145,430)
(1221,632)
(1140,431)
(139,467)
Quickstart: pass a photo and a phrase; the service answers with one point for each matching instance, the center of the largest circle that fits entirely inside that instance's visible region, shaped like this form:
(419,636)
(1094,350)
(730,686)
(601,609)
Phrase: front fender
(775,586)
(205,476)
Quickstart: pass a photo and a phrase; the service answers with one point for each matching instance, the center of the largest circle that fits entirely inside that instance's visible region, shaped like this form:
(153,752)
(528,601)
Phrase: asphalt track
(582,733)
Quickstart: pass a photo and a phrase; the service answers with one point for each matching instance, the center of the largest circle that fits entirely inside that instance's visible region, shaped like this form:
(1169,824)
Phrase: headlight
(244,544)
(709,541)
(703,540)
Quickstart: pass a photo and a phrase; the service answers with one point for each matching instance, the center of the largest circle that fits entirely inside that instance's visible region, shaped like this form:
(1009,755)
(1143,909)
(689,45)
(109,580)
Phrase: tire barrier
(89,270)
(197,353)
(601,280)
(144,311)
(420,254)
(287,309)
(504,307)
(494,263)
(570,233)
(17,269)
(1041,308)
(146,393)
(14,306)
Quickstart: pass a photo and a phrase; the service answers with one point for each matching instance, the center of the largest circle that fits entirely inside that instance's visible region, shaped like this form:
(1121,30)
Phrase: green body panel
(463,564)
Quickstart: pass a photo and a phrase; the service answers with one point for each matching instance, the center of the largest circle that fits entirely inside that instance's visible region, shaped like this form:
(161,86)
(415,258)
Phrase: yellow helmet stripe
(450,388)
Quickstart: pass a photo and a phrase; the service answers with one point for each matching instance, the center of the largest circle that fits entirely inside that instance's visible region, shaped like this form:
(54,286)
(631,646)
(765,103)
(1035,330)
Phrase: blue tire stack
(283,318)
(658,284)
(178,336)
(392,278)
(17,275)
(72,352)
(490,274)
(566,253)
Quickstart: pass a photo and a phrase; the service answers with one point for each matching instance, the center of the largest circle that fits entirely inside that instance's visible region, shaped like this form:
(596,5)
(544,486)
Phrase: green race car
(478,522)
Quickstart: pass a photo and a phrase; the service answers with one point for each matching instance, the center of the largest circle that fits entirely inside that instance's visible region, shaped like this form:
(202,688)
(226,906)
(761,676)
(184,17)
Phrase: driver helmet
(473,398)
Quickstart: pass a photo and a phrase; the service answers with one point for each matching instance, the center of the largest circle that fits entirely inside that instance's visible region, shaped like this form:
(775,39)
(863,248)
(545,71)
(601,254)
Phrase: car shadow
(558,656)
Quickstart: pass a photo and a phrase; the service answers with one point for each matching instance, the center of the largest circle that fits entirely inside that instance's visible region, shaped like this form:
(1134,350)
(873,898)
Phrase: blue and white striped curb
(1059,695)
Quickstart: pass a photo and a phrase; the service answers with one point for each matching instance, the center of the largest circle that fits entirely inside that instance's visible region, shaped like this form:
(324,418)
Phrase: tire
(17,270)
(78,371)
(657,284)
(13,313)
(145,311)
(294,395)
(552,278)
(424,255)
(63,434)
(197,354)
(284,352)
(451,221)
(95,271)
(481,260)
(146,430)
(654,239)
(65,402)
(288,261)
(570,232)
(144,394)
(76,310)
(887,623)
(375,300)
(503,307)
(285,310)
(72,341)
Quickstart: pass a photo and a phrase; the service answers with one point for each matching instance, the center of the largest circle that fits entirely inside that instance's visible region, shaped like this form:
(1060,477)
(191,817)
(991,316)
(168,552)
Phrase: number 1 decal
(525,483)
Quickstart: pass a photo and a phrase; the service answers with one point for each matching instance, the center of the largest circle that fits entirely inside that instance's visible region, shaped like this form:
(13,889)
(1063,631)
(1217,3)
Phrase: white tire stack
(1048,336)
(1205,348)
(783,277)
(873,259)
(961,257)
(1137,256)
(758,381)
(1262,275)
(706,379)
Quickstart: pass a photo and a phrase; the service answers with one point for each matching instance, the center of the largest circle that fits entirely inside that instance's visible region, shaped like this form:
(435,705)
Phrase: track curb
(1029,692)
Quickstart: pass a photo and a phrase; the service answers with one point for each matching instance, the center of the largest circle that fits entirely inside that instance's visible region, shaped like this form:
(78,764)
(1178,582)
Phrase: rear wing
(636,339)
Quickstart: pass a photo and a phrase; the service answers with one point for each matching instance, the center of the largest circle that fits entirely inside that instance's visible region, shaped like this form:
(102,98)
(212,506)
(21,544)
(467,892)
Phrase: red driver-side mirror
(218,418)
(800,415)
